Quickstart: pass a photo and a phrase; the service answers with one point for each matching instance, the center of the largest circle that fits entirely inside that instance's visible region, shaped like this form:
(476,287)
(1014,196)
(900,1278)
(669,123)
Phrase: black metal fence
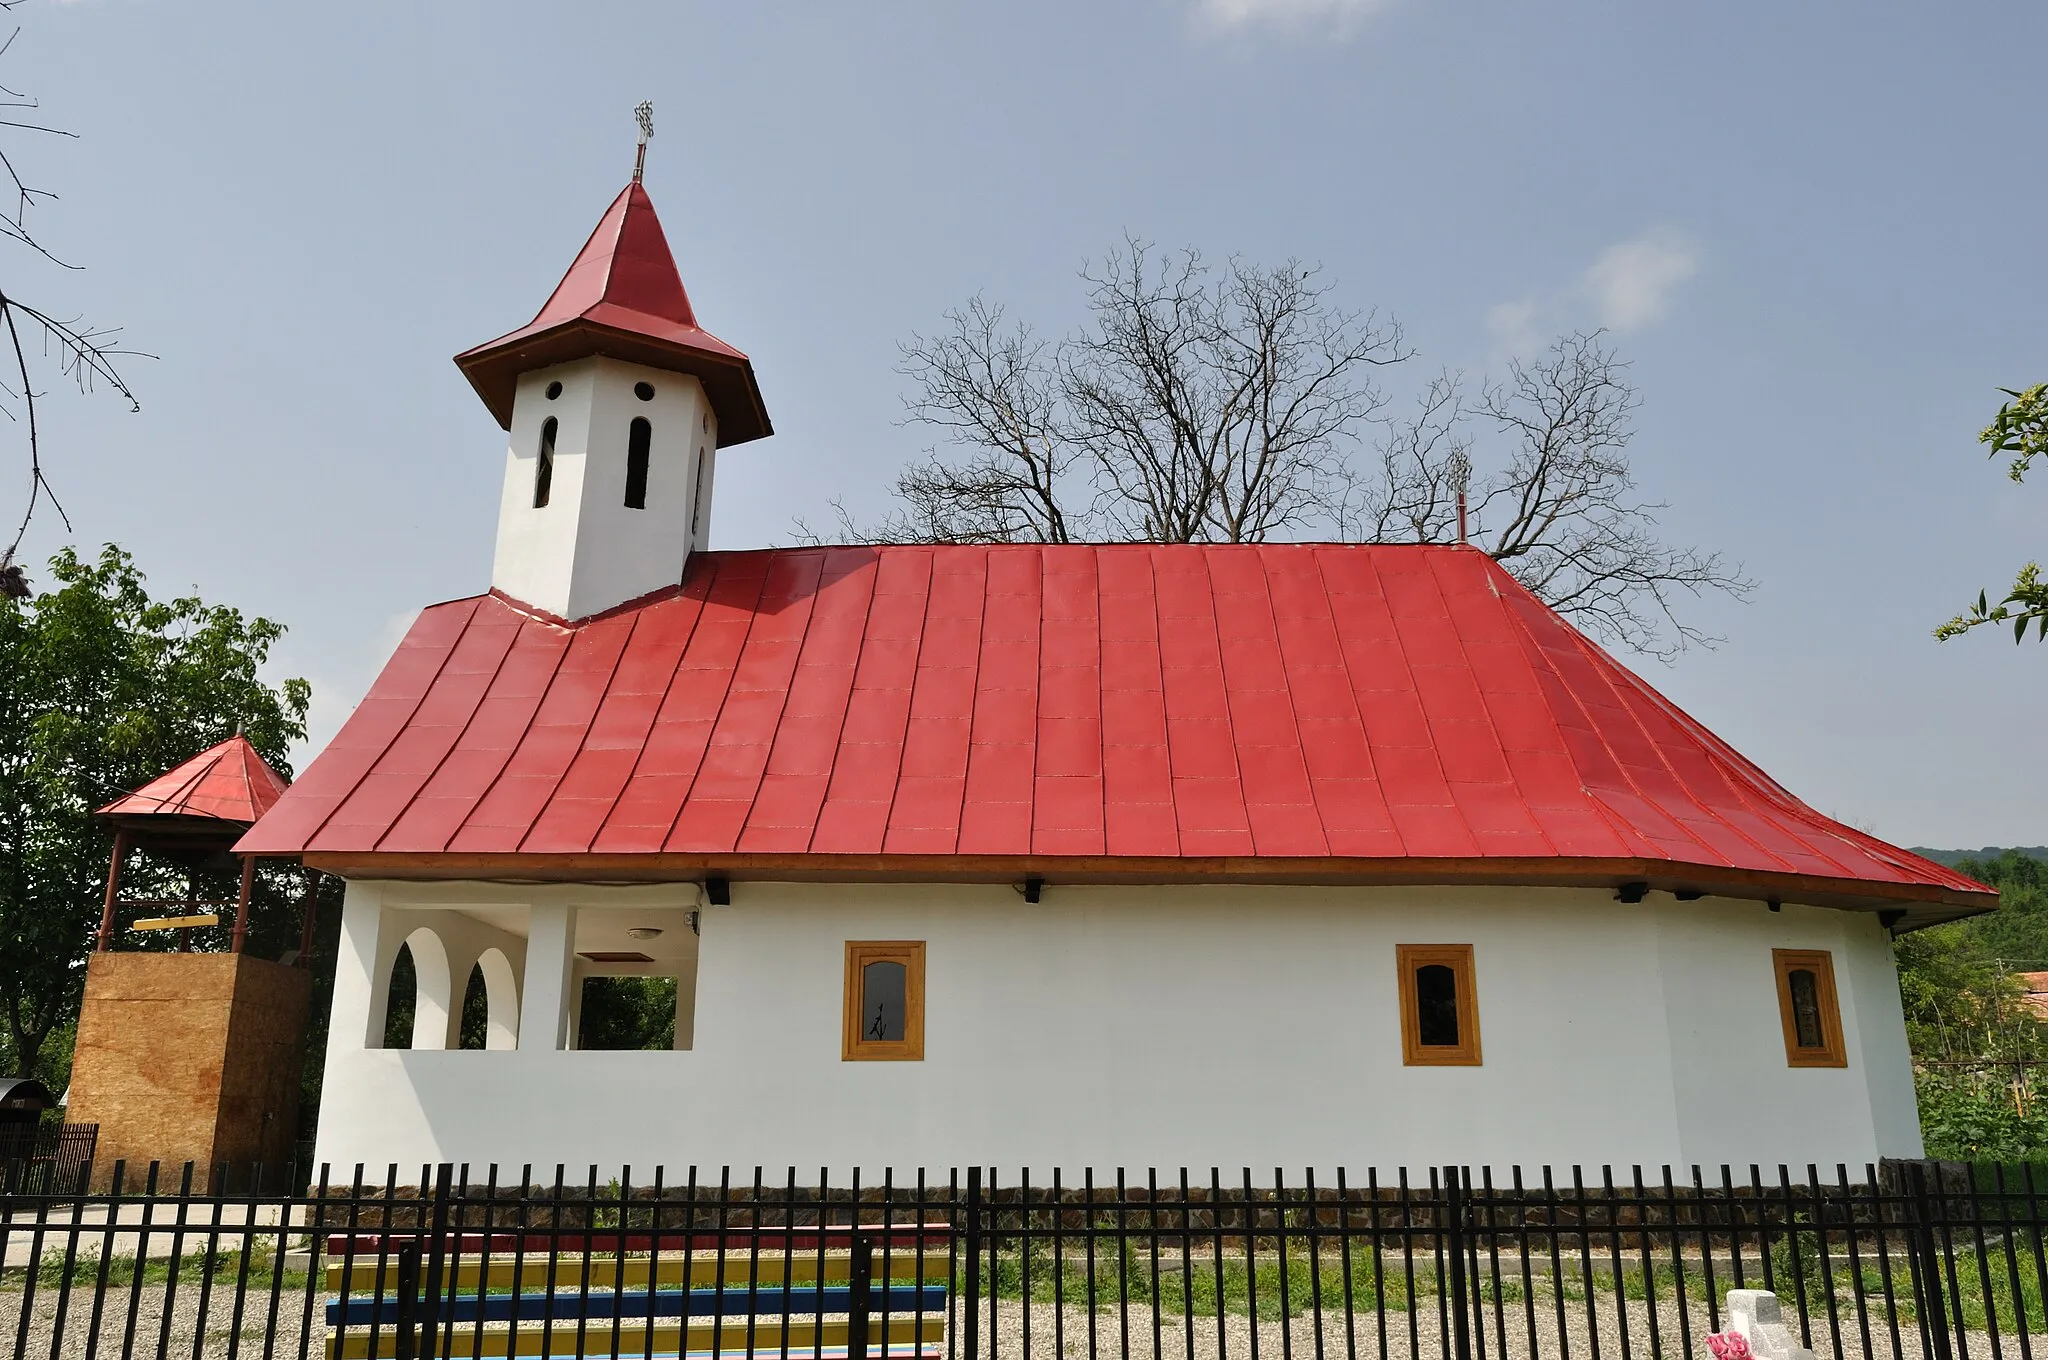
(46,1158)
(1911,1260)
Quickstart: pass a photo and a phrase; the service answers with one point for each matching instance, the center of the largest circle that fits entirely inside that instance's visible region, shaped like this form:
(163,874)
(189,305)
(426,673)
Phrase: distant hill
(1952,857)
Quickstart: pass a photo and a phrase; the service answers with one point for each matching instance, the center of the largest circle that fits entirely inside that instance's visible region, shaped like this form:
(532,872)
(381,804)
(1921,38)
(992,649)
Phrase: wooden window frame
(1821,963)
(1458,958)
(910,1048)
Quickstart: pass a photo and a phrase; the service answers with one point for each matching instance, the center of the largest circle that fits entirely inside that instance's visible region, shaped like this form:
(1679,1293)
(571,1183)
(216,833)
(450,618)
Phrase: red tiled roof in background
(623,297)
(229,782)
(1266,703)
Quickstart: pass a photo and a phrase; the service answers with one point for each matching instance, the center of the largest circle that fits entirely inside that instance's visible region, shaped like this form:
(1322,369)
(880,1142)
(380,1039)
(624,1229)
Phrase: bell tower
(617,403)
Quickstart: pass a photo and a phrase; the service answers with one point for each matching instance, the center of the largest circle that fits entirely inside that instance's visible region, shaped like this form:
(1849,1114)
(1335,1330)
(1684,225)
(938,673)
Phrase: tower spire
(643,113)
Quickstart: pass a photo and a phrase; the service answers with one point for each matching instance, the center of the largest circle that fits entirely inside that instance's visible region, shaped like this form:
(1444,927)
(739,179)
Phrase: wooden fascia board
(494,369)
(1927,904)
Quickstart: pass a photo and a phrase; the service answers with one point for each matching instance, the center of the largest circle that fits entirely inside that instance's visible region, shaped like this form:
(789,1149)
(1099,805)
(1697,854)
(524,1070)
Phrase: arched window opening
(403,996)
(544,465)
(1806,1008)
(476,1010)
(1436,1005)
(700,507)
(639,439)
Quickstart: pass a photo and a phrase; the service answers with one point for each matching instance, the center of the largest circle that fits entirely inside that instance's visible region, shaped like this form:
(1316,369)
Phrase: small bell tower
(617,402)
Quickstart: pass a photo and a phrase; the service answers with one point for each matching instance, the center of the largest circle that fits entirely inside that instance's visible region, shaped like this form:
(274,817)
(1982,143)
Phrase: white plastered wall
(586,550)
(1192,1026)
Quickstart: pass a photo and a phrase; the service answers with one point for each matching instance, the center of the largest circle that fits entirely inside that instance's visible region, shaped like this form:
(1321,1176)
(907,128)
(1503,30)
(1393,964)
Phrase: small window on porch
(884,1014)
(627,1014)
(1807,1006)
(1439,1005)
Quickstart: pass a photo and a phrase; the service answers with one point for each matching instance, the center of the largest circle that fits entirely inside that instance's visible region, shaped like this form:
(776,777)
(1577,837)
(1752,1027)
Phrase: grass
(1272,1285)
(123,1271)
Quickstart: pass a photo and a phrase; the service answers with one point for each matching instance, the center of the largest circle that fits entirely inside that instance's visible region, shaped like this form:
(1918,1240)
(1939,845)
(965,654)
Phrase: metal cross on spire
(1458,468)
(643,113)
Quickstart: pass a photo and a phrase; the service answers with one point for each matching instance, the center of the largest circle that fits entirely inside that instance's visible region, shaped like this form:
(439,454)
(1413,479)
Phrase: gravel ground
(149,1324)
(1236,1339)
(1069,1328)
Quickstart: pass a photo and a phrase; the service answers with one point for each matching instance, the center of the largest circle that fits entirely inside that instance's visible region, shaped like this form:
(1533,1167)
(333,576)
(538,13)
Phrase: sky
(1813,230)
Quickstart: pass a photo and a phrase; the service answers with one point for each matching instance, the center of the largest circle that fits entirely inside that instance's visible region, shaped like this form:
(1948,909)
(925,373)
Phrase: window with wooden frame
(1806,1004)
(884,1017)
(1439,1005)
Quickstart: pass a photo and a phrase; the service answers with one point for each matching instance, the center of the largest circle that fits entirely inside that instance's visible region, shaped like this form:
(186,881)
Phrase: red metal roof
(229,782)
(624,297)
(1259,703)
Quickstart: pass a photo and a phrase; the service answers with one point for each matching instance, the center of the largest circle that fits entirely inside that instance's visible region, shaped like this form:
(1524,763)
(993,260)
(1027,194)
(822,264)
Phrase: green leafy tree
(1977,1043)
(2020,432)
(106,688)
(627,1012)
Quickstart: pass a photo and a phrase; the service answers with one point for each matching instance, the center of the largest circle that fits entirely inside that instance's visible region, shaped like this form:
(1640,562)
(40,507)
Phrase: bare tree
(1233,404)
(1202,404)
(1560,510)
(996,389)
(76,352)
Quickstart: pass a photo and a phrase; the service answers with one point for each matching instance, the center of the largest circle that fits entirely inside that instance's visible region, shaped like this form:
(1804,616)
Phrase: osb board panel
(259,1095)
(180,1057)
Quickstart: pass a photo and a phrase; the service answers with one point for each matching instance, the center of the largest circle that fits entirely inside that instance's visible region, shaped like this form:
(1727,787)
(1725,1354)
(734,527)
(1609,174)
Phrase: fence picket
(1143,1265)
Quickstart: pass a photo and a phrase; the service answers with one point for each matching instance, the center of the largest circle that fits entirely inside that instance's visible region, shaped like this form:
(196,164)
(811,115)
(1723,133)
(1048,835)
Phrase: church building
(1283,854)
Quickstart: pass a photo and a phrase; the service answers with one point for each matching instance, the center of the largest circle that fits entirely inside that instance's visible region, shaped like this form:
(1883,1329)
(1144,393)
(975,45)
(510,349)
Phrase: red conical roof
(229,782)
(624,298)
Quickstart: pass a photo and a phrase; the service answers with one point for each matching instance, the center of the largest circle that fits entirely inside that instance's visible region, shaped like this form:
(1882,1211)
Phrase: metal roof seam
(1724,756)
(427,688)
(1623,684)
(1344,663)
(483,692)
(910,703)
(1158,654)
(1511,596)
(654,718)
(632,625)
(973,702)
(720,565)
(870,574)
(625,737)
(1272,619)
(1399,638)
(1493,589)
(554,634)
(816,575)
(1223,679)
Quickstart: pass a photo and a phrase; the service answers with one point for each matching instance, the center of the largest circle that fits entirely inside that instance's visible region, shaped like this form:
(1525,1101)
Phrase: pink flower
(1728,1346)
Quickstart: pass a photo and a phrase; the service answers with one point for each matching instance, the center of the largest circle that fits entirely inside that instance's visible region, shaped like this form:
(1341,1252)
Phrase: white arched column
(550,975)
(436,1013)
(362,972)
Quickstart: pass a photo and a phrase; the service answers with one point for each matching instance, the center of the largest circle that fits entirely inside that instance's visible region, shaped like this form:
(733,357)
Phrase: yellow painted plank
(176,922)
(772,1336)
(605,1273)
